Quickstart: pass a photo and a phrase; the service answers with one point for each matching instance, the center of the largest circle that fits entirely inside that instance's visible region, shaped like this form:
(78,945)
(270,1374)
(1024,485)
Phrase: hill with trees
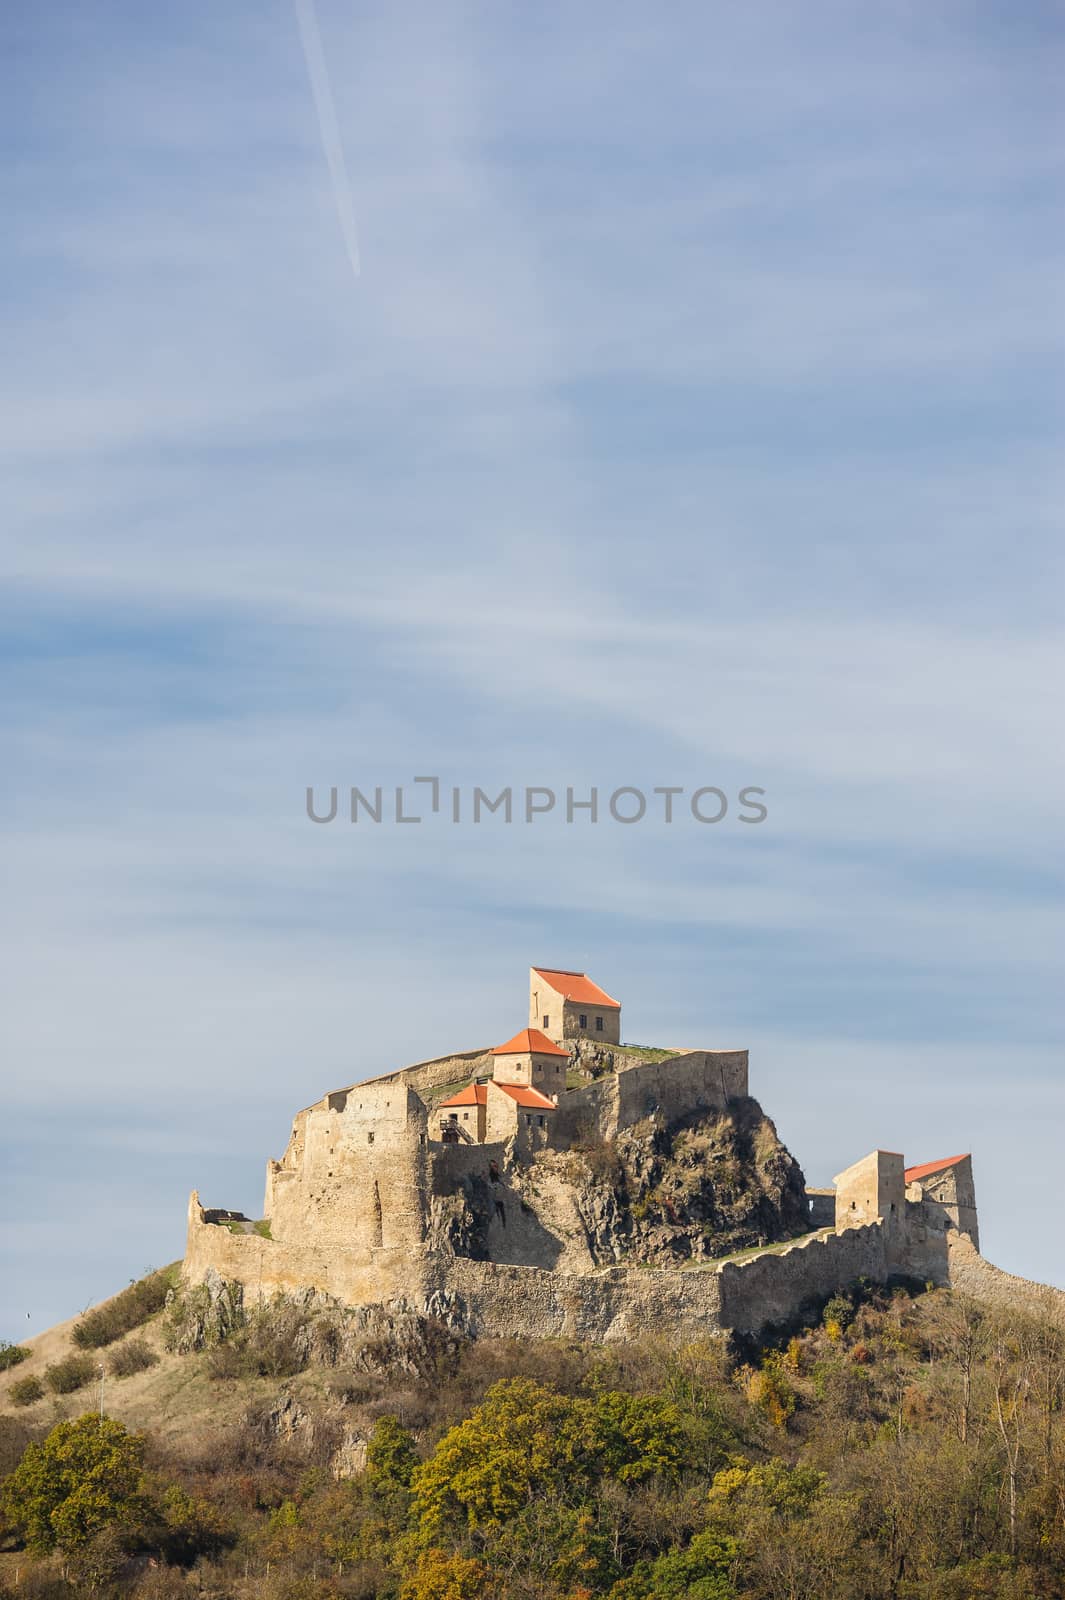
(897,1445)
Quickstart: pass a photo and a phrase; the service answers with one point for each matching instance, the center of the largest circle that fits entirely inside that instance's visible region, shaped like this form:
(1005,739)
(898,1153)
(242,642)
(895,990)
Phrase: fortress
(563,1183)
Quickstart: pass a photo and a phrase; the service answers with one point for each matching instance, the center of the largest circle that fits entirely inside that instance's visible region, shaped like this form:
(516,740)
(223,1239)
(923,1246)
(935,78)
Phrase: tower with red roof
(568,1006)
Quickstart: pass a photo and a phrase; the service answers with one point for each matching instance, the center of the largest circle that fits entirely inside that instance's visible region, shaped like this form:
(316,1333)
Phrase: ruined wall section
(774,1287)
(511,1301)
(354,1275)
(353,1176)
(696,1080)
(970,1274)
(514,1302)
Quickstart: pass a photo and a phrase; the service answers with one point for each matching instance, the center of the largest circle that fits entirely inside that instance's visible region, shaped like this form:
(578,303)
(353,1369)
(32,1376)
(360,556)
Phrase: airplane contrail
(328,127)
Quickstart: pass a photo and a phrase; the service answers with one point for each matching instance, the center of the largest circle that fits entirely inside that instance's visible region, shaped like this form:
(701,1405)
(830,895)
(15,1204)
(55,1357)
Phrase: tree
(391,1456)
(703,1571)
(524,1439)
(84,1477)
(641,1437)
(440,1576)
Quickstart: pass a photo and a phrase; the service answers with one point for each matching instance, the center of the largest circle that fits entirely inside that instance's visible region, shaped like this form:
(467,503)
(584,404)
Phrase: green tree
(524,1439)
(703,1571)
(84,1477)
(391,1456)
(640,1436)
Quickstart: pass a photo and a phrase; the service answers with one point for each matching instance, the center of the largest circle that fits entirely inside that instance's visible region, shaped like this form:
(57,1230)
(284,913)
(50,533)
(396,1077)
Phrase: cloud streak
(328,127)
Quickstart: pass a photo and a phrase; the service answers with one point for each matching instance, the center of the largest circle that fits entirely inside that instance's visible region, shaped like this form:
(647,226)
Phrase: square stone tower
(873,1190)
(568,1005)
(531,1060)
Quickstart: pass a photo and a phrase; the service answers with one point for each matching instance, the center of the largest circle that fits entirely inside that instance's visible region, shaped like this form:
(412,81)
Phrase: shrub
(26,1390)
(73,1372)
(126,1311)
(136,1355)
(838,1315)
(11,1355)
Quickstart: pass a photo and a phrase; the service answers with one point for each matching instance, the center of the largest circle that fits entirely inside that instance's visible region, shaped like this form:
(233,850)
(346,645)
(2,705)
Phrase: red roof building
(569,1007)
(463,1116)
(926,1171)
(529,1042)
(474,1094)
(530,1099)
(576,986)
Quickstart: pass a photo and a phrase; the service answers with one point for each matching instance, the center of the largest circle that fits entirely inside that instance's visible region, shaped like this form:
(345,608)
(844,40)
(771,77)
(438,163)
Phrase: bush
(136,1355)
(11,1355)
(73,1372)
(26,1390)
(838,1315)
(126,1311)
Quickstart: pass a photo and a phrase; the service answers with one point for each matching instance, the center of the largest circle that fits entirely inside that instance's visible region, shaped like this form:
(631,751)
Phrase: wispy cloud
(695,423)
(328,127)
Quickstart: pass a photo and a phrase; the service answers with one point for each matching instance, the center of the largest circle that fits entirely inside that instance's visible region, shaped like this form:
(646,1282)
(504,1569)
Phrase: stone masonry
(382,1198)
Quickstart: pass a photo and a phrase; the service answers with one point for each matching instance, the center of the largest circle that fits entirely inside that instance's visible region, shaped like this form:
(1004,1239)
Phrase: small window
(582,1020)
(528,1119)
(547,1022)
(465,1116)
(540,1121)
(501,1212)
(598,1024)
(369,1138)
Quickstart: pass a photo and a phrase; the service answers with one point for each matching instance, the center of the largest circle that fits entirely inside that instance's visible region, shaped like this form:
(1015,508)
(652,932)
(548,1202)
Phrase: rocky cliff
(696,1188)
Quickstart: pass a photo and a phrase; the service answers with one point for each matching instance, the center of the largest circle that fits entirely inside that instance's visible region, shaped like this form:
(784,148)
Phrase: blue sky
(695,418)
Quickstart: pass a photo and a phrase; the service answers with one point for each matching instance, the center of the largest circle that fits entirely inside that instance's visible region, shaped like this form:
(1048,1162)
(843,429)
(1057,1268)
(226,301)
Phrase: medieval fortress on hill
(460,1187)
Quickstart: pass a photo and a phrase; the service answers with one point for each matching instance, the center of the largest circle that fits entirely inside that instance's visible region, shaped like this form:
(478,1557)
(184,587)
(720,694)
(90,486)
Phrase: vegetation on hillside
(127,1310)
(898,1449)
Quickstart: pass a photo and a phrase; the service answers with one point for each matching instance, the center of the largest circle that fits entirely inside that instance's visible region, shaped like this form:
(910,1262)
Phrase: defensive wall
(497,1299)
(970,1274)
(696,1080)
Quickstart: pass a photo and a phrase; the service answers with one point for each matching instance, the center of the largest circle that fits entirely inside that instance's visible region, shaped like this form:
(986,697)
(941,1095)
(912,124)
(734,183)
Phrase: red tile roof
(531,1098)
(933,1166)
(530,1041)
(576,986)
(474,1094)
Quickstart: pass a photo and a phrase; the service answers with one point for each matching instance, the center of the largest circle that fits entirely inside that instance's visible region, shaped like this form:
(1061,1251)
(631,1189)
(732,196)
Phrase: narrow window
(547,1022)
(528,1119)
(501,1212)
(598,1024)
(582,1020)
(465,1116)
(369,1138)
(540,1121)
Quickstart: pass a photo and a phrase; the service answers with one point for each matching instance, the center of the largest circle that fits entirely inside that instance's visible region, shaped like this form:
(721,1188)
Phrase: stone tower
(568,1006)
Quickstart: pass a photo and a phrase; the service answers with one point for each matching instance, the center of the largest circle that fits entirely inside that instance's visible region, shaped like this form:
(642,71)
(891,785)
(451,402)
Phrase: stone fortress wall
(351,1208)
(694,1080)
(369,1205)
(970,1274)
